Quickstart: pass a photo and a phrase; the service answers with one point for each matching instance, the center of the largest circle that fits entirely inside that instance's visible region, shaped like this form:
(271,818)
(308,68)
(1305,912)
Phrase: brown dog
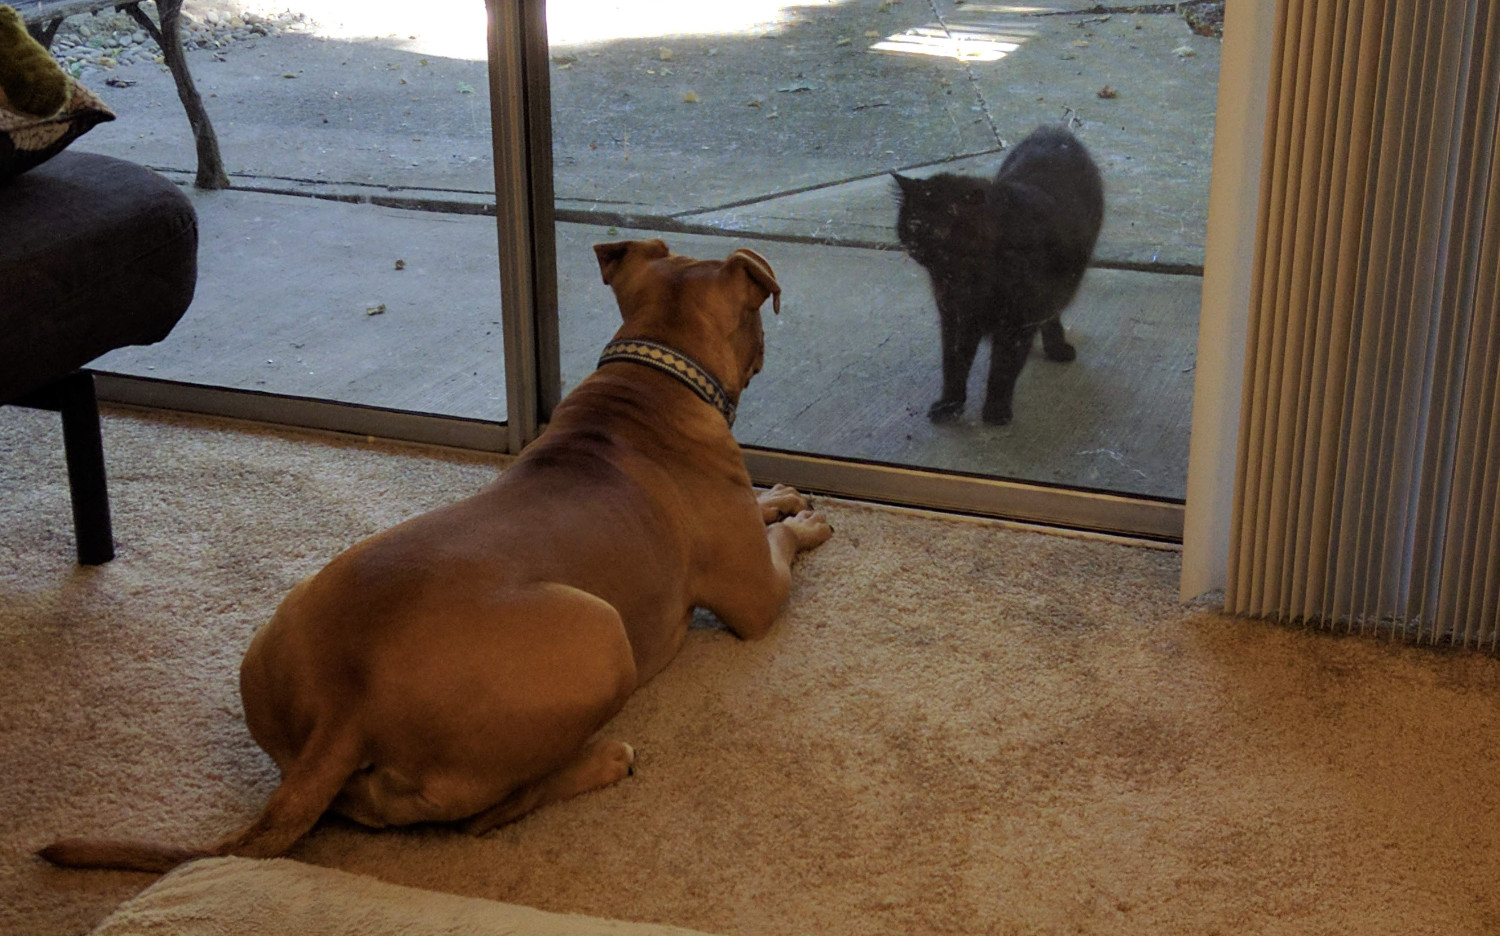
(458,666)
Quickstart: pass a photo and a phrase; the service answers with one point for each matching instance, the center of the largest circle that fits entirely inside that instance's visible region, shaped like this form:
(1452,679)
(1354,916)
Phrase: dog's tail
(119,854)
(307,789)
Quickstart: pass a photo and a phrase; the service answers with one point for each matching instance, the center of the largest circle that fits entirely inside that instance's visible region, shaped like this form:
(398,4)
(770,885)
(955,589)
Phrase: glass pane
(776,126)
(353,258)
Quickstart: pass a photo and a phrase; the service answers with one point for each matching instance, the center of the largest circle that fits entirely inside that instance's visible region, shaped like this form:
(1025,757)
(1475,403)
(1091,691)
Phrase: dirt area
(1206,19)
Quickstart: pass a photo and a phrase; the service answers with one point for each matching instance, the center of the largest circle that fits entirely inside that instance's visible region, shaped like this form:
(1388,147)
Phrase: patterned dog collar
(679,365)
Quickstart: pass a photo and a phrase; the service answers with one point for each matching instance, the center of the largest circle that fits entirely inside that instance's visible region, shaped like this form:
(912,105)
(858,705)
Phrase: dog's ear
(612,256)
(754,266)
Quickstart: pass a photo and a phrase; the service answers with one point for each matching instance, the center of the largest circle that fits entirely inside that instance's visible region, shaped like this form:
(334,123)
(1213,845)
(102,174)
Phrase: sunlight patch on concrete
(576,22)
(1014,9)
(445,28)
(964,45)
(456,28)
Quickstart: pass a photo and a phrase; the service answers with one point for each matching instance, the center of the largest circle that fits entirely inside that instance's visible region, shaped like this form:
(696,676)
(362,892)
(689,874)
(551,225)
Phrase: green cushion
(42,107)
(30,81)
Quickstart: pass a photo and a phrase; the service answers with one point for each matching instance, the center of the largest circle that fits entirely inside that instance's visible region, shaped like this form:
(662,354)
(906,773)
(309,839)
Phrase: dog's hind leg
(307,788)
(599,764)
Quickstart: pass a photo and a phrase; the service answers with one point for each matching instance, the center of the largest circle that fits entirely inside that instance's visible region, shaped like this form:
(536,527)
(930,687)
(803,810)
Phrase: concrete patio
(775,130)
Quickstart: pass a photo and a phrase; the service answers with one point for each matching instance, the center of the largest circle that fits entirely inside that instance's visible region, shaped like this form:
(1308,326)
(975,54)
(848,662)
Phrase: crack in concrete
(646,221)
(834,183)
(984,107)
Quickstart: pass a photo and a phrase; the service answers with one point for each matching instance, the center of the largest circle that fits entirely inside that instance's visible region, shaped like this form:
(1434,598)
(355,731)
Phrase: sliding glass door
(382,161)
(778,127)
(353,257)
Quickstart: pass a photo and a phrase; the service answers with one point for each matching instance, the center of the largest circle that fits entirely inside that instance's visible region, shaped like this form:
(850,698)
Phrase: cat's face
(935,213)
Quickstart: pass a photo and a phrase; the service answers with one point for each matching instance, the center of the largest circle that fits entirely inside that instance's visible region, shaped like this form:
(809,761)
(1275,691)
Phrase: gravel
(108,39)
(1205,19)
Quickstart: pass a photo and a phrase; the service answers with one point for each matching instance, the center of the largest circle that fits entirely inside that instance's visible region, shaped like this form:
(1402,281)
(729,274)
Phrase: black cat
(1005,257)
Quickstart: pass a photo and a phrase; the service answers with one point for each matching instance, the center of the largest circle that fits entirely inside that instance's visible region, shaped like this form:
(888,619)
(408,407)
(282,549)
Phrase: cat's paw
(1064,353)
(946,411)
(995,415)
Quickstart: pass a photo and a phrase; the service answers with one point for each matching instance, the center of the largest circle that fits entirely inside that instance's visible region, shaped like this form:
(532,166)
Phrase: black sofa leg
(85,452)
(73,396)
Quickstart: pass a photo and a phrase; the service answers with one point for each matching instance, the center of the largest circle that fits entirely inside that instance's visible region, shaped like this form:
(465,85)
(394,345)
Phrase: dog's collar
(674,362)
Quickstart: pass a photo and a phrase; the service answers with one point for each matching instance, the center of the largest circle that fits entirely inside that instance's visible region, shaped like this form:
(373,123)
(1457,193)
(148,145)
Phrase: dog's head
(707,309)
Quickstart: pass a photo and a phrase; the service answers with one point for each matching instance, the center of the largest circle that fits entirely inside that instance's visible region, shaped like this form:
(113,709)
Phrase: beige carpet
(956,727)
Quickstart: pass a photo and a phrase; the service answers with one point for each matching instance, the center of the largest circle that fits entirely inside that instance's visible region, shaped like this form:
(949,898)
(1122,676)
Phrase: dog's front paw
(810,528)
(781,501)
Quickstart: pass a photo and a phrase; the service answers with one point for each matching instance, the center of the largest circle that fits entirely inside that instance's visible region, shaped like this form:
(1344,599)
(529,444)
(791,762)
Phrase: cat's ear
(904,185)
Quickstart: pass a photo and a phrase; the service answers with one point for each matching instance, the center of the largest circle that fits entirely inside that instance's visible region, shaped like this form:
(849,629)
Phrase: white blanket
(243,897)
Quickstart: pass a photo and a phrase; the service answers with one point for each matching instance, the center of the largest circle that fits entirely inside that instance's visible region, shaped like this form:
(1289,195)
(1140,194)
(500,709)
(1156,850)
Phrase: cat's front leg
(960,344)
(1008,352)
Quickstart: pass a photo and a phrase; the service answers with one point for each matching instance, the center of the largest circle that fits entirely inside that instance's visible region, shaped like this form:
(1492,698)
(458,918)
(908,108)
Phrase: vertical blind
(1369,454)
